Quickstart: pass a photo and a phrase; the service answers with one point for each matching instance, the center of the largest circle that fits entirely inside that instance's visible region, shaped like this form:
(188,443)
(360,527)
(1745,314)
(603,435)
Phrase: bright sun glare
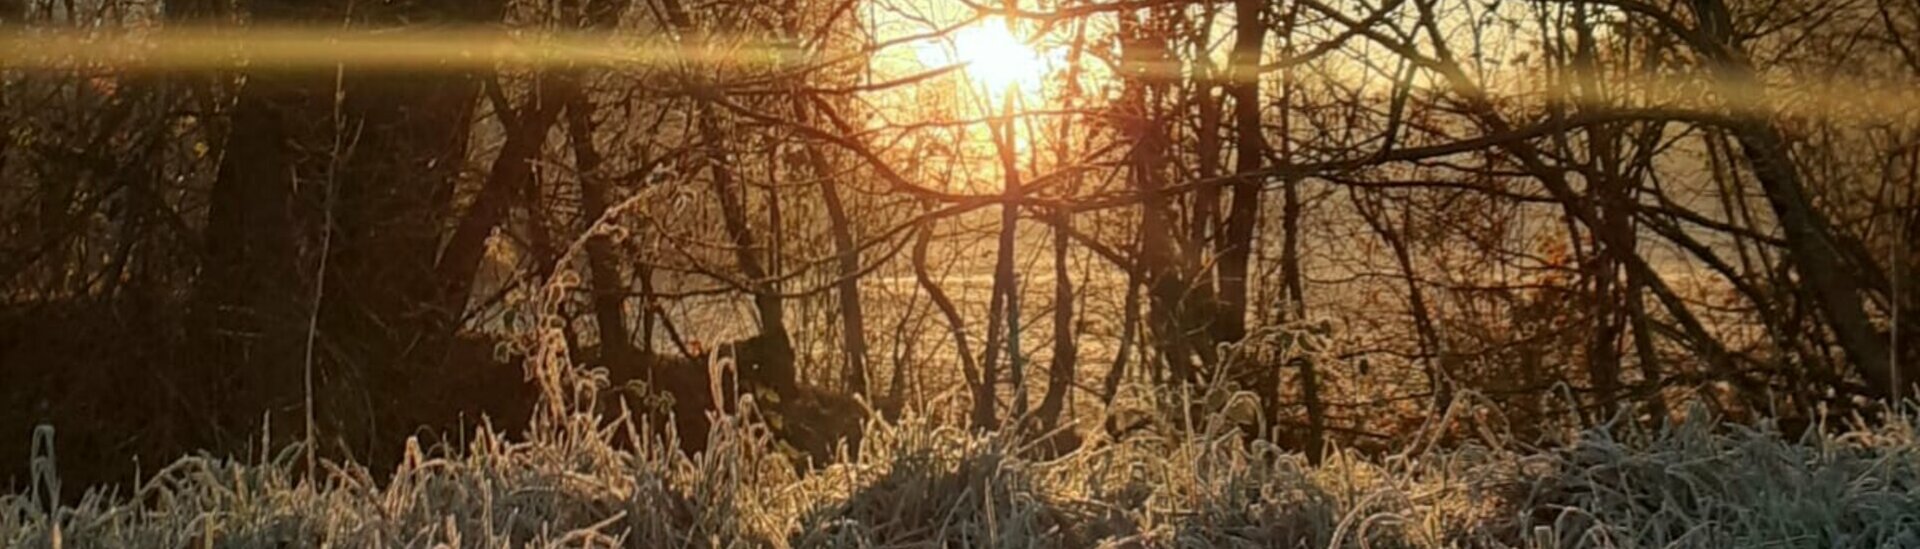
(993,58)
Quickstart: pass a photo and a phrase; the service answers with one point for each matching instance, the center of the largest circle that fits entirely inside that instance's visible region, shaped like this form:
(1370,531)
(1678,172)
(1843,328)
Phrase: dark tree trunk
(609,284)
(1204,224)
(247,308)
(356,165)
(766,301)
(1610,181)
(1060,370)
(955,324)
(852,316)
(393,199)
(1129,324)
(1432,349)
(733,213)
(1177,310)
(1250,152)
(1000,312)
(527,129)
(1206,199)
(1812,248)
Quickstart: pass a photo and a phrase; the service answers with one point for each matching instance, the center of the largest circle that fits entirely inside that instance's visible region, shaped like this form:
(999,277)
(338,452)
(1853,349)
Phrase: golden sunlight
(992,56)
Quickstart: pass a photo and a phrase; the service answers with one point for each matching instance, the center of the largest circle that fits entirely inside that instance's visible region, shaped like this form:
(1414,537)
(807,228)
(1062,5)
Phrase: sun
(991,56)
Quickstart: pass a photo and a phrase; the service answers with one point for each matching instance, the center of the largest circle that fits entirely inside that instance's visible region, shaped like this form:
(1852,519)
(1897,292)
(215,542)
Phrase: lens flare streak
(307,48)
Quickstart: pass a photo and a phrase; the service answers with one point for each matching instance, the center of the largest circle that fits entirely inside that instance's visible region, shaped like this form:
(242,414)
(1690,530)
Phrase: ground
(1693,483)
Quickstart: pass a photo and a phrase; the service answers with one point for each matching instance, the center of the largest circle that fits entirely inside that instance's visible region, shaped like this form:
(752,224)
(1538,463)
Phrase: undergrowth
(1197,482)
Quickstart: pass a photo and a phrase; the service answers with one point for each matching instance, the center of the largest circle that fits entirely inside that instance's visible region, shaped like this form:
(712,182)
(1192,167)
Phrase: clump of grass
(918,483)
(490,493)
(1694,486)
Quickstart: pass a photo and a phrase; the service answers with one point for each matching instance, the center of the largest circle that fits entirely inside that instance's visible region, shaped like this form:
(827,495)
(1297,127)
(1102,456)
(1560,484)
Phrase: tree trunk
(1176,311)
(1000,313)
(1432,348)
(1250,151)
(246,306)
(733,213)
(527,129)
(1060,370)
(853,336)
(363,161)
(1811,245)
(955,324)
(609,286)
(1129,323)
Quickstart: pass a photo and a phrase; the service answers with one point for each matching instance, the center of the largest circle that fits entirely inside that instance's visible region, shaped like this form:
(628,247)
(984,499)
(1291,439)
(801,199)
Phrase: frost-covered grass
(919,484)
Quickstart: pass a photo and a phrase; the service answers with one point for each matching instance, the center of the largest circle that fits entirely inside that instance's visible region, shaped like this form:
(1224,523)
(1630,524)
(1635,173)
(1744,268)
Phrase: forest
(959,273)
